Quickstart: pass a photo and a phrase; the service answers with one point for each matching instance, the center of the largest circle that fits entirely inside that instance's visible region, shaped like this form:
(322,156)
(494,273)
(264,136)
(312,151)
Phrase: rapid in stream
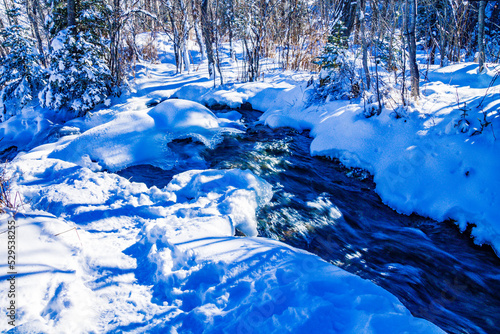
(320,206)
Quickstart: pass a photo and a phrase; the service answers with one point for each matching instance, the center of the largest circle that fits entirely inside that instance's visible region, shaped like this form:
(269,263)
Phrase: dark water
(435,271)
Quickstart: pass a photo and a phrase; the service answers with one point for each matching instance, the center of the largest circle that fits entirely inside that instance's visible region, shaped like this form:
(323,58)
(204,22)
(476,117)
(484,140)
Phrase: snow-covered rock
(141,136)
(182,115)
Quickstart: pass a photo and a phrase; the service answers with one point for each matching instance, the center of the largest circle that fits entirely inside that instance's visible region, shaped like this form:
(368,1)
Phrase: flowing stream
(318,205)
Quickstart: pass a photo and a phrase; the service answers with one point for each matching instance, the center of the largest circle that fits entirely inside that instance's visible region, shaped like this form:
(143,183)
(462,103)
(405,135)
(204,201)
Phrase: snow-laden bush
(79,78)
(21,75)
(338,78)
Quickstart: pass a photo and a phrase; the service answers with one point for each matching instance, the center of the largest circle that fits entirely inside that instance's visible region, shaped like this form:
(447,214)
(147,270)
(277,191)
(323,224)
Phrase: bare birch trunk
(411,9)
(480,34)
(206,23)
(185,36)
(197,29)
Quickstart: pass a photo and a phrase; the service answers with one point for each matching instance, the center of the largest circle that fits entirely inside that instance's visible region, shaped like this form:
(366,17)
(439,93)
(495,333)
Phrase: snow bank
(463,75)
(258,94)
(165,260)
(141,136)
(182,116)
(255,285)
(22,129)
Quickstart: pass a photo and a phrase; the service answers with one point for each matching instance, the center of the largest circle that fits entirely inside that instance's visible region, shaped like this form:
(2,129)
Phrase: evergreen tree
(91,17)
(333,56)
(491,31)
(20,73)
(338,77)
(79,78)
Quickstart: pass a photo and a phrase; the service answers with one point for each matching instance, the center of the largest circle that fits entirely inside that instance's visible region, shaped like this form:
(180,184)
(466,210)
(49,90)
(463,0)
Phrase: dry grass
(149,51)
(9,202)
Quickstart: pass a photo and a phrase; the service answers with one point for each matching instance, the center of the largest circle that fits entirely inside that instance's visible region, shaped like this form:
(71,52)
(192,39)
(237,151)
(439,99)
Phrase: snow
(99,253)
(141,136)
(244,193)
(180,115)
(108,255)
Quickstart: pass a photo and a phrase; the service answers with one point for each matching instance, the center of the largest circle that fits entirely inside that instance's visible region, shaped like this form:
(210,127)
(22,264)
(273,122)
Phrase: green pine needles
(338,78)
(334,53)
(79,78)
(21,75)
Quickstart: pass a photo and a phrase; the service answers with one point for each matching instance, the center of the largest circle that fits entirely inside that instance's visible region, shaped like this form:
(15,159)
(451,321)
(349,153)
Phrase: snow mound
(192,92)
(275,120)
(242,193)
(259,94)
(142,136)
(182,115)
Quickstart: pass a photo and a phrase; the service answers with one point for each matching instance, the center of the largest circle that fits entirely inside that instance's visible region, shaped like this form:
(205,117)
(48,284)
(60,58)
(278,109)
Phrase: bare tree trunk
(41,16)
(480,34)
(3,53)
(288,34)
(391,18)
(72,15)
(114,60)
(403,79)
(251,65)
(176,41)
(256,61)
(230,25)
(185,36)
(196,29)
(349,10)
(432,54)
(206,23)
(147,20)
(364,47)
(185,56)
(217,47)
(442,48)
(8,7)
(231,47)
(32,15)
(377,86)
(411,10)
